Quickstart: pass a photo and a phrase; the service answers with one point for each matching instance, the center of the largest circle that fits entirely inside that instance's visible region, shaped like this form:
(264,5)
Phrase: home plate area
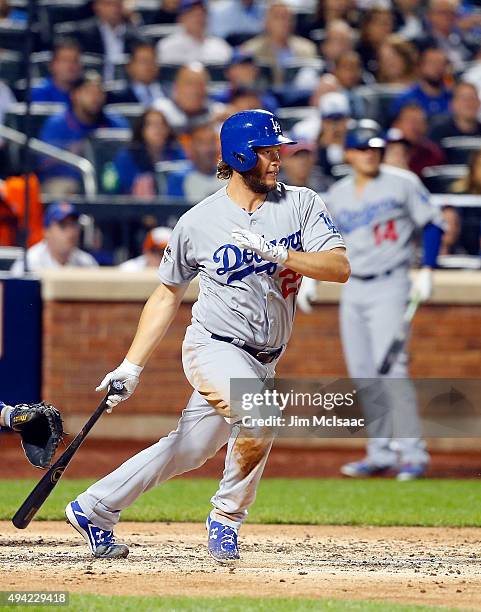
(410,565)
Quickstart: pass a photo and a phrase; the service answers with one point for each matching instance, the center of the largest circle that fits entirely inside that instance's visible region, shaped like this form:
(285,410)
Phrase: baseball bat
(45,486)
(399,340)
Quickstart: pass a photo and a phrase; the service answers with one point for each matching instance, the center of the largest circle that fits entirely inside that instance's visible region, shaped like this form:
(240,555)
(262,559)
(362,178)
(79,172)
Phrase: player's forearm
(330,265)
(155,320)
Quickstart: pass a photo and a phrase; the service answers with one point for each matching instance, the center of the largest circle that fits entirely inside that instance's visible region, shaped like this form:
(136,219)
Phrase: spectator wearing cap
(69,129)
(243,72)
(299,167)
(198,179)
(278,46)
(65,69)
(463,119)
(430,91)
(189,102)
(153,249)
(442,19)
(59,247)
(237,19)
(327,129)
(413,124)
(133,169)
(109,33)
(191,42)
(143,78)
(335,117)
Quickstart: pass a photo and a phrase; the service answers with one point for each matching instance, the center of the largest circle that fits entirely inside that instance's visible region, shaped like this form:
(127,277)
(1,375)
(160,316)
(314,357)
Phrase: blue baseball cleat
(363,469)
(101,542)
(222,541)
(411,471)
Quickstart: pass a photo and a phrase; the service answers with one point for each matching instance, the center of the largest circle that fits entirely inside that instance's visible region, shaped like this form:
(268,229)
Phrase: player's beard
(253,180)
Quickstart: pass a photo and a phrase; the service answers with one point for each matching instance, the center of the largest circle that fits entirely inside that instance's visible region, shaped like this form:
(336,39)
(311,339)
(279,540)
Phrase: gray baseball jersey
(242,295)
(379,224)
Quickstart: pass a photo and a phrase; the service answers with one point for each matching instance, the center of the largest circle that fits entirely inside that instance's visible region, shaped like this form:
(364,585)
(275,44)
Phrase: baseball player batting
(250,243)
(377,209)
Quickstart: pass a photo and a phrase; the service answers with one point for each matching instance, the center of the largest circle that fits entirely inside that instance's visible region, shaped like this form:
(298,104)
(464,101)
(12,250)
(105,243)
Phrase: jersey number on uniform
(385,231)
(290,280)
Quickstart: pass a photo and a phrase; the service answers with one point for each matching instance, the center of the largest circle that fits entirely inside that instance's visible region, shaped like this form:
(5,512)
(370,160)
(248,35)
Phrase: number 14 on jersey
(385,231)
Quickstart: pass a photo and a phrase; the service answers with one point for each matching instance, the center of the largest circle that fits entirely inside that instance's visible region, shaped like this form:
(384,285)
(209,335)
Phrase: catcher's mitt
(40,426)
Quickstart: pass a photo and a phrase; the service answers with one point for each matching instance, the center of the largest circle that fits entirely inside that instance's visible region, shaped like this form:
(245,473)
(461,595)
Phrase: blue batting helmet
(365,134)
(246,130)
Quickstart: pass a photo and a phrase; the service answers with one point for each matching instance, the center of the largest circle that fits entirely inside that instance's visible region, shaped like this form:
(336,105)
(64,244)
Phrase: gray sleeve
(419,205)
(178,265)
(318,232)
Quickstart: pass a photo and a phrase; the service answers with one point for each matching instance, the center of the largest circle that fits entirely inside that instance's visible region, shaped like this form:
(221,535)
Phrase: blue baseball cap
(241,57)
(59,211)
(186,5)
(365,134)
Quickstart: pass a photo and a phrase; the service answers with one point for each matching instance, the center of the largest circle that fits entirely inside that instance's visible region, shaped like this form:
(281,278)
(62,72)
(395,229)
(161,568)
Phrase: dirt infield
(413,565)
(99,457)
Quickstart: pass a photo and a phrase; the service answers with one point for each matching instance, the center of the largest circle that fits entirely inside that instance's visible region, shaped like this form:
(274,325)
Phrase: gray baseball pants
(206,424)
(370,315)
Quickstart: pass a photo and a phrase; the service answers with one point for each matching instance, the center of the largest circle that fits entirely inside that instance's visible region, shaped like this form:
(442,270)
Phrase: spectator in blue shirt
(70,129)
(430,91)
(133,169)
(197,179)
(65,70)
(239,18)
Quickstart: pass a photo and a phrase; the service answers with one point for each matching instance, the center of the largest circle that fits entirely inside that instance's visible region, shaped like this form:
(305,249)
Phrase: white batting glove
(422,287)
(127,373)
(277,253)
(307,294)
(5,412)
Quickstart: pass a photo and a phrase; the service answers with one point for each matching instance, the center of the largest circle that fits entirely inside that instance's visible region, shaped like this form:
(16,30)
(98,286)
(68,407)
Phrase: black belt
(373,276)
(262,356)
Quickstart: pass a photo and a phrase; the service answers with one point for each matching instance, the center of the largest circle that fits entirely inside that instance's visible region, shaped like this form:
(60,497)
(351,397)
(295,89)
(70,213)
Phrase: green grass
(324,502)
(88,603)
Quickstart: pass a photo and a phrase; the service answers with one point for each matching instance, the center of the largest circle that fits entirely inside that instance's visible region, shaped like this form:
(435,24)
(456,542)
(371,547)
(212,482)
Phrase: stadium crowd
(140,88)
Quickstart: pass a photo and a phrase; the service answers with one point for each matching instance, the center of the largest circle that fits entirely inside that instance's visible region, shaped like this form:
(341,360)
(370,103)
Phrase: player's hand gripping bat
(42,490)
(399,341)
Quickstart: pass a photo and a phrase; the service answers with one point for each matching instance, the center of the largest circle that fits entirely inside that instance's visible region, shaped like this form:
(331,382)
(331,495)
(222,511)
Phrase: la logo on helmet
(276,126)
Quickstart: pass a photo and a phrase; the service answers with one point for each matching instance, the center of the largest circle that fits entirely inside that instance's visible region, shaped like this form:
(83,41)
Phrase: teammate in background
(39,426)
(153,250)
(377,209)
(60,244)
(250,242)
